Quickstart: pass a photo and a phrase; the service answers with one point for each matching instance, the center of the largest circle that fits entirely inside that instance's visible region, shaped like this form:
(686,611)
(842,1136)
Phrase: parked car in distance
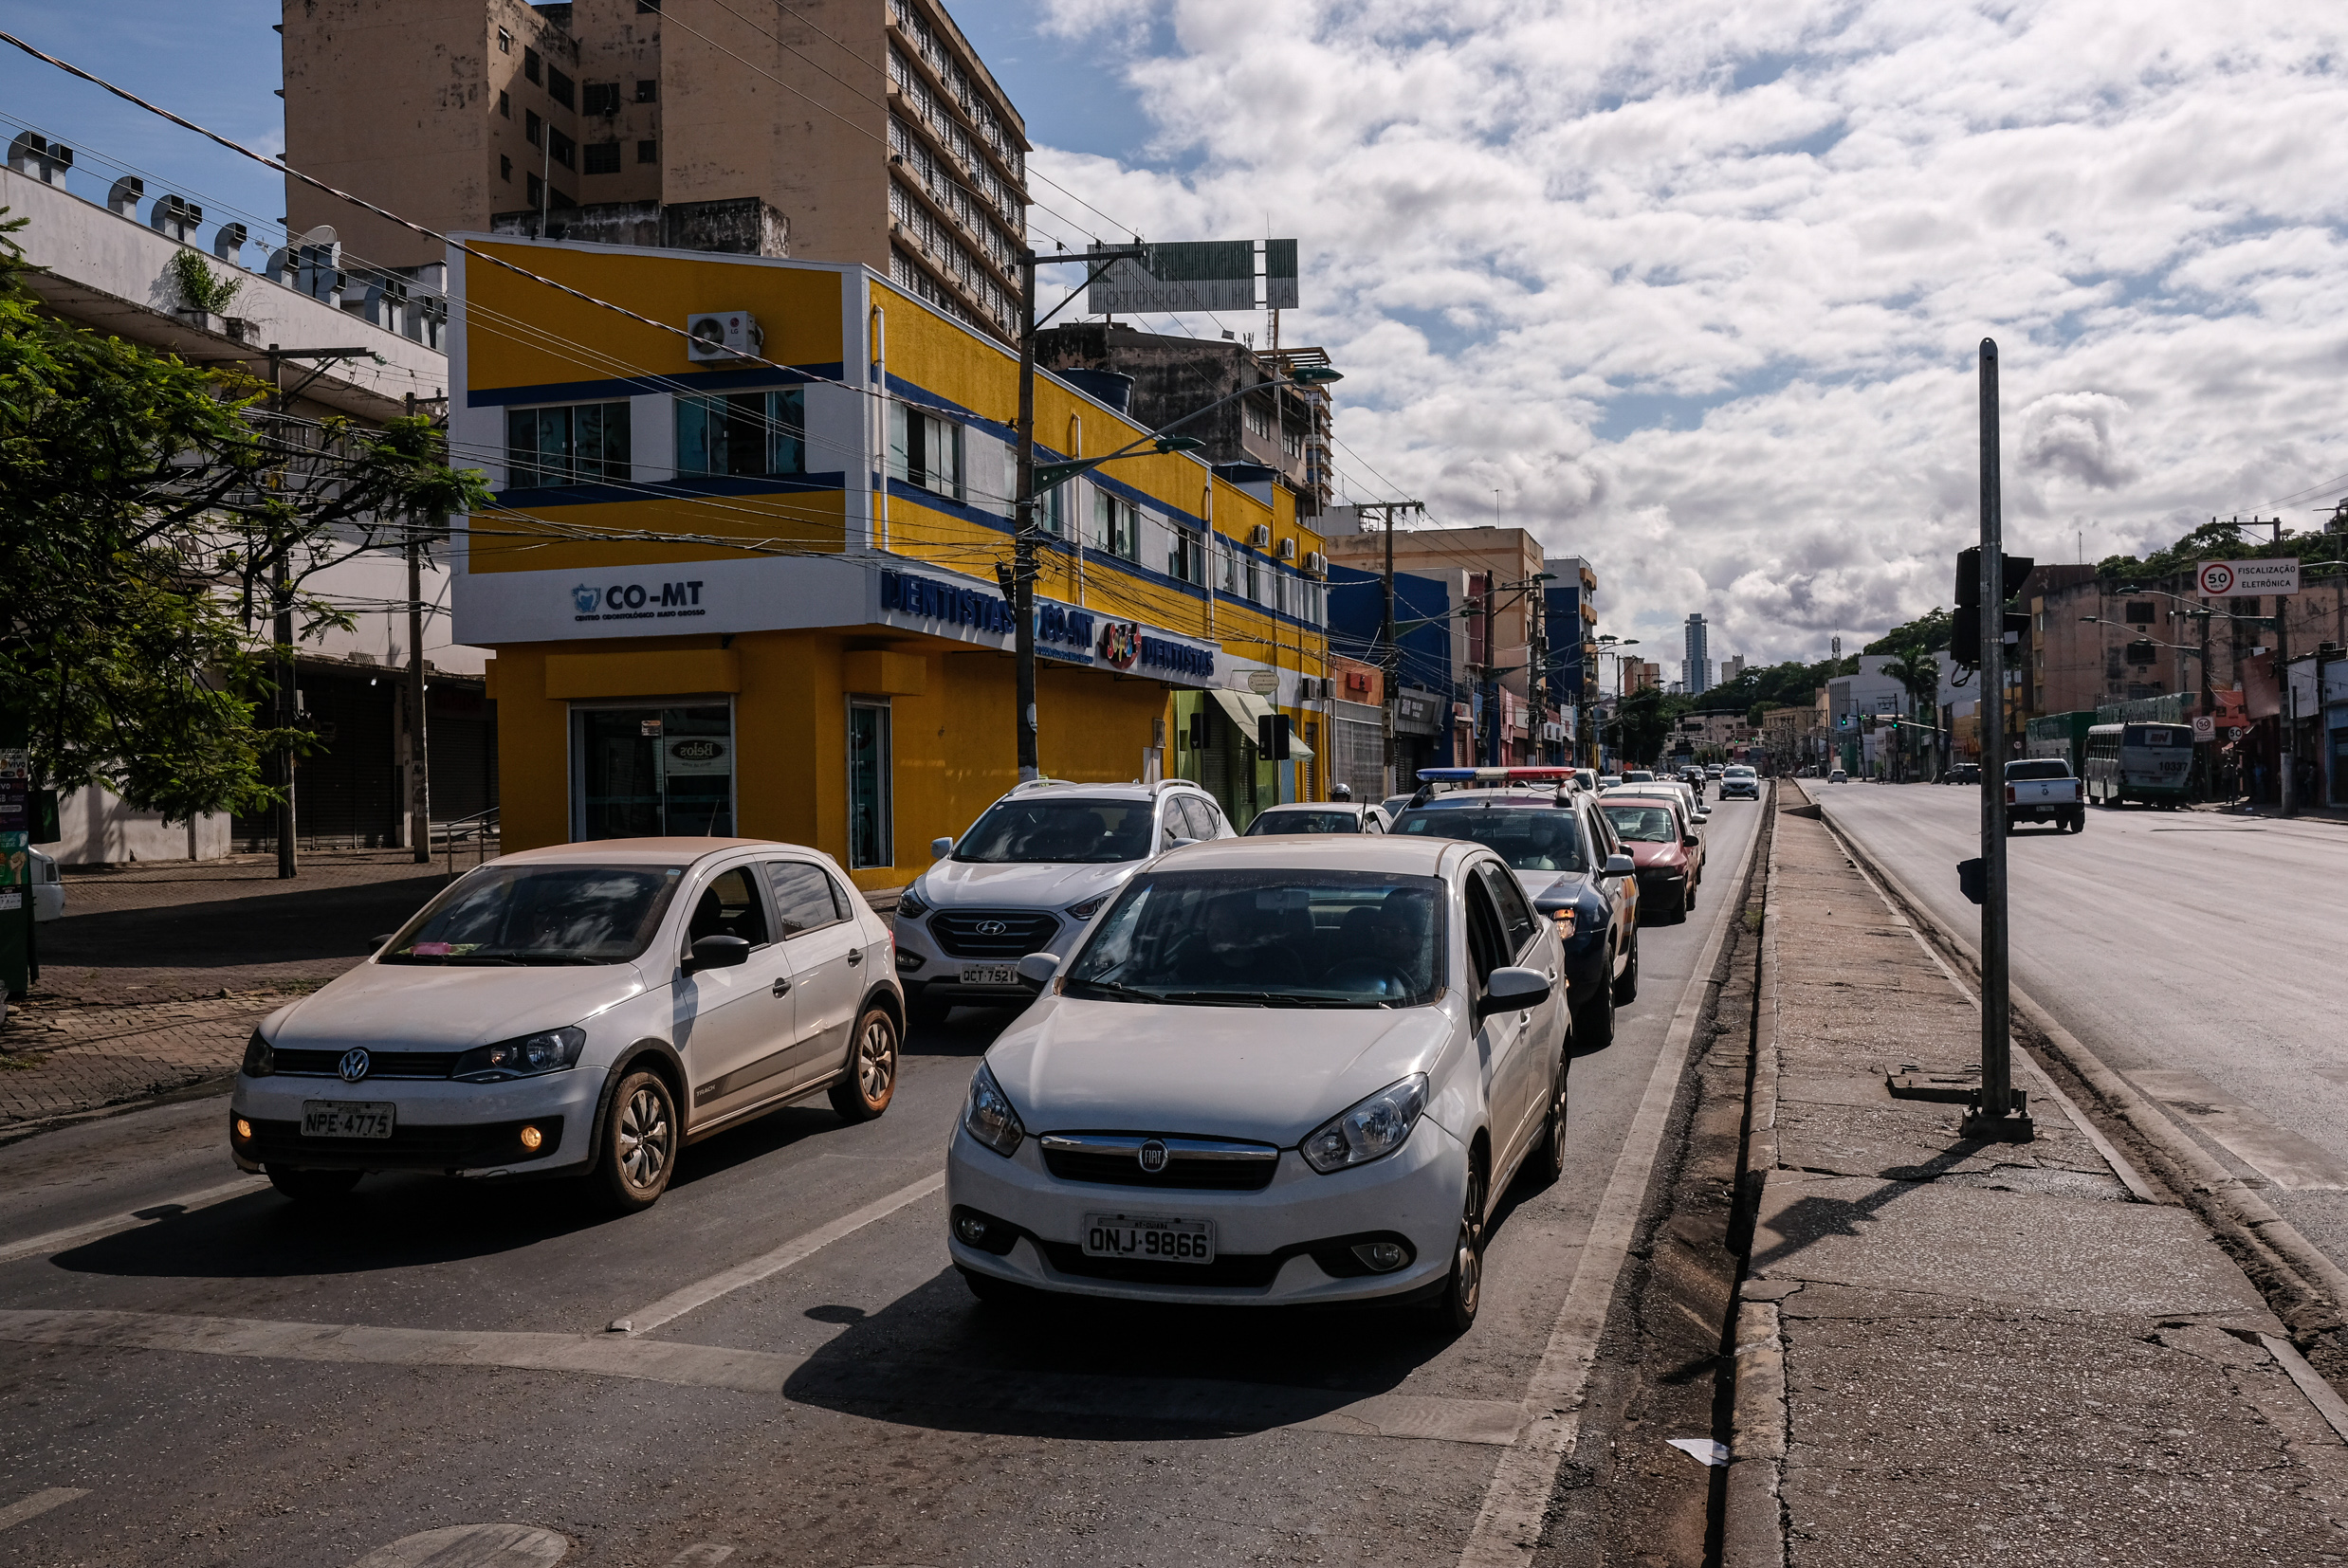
(1740,782)
(1331,817)
(1664,846)
(2042,789)
(1962,772)
(1715,770)
(1836,776)
(1025,877)
(48,888)
(1146,1131)
(586,1010)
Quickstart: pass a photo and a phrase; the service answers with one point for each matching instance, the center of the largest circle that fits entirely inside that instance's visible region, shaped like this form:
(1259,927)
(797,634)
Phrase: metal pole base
(2015,1126)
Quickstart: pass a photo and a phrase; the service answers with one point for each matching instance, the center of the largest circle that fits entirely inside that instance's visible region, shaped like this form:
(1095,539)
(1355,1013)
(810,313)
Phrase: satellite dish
(323,234)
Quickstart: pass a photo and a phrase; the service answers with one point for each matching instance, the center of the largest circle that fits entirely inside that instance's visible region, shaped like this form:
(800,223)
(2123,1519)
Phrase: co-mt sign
(626,601)
(2227,580)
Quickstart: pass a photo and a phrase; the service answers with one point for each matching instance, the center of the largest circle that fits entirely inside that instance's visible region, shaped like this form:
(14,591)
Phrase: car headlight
(260,1060)
(1089,908)
(1370,1130)
(989,1117)
(911,906)
(549,1050)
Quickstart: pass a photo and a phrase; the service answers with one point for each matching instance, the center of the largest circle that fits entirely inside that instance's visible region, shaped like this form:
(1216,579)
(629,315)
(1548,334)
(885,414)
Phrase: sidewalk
(1991,1354)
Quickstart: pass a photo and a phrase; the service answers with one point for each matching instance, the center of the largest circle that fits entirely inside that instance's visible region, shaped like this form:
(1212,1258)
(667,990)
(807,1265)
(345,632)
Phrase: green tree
(1919,674)
(1641,723)
(151,520)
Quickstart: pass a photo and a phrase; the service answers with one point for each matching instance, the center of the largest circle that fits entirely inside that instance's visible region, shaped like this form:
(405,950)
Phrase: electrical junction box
(723,337)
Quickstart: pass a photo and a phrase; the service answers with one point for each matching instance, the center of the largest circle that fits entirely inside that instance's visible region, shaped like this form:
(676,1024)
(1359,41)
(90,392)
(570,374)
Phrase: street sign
(2205,727)
(2223,579)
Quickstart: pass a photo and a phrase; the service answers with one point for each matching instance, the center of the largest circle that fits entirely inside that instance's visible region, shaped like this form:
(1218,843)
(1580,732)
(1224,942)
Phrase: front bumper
(1665,886)
(926,968)
(1264,1241)
(468,1129)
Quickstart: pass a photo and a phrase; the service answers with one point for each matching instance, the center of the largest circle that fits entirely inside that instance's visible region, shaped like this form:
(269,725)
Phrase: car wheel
(1679,911)
(640,1141)
(871,1078)
(924,1009)
(1627,989)
(1463,1292)
(1593,1023)
(313,1186)
(1549,1161)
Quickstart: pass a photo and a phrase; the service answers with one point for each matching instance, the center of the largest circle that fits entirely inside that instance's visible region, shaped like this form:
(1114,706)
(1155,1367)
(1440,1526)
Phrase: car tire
(924,1009)
(1463,1292)
(1548,1161)
(864,1091)
(641,1136)
(313,1186)
(1627,989)
(996,1293)
(1679,911)
(1593,1022)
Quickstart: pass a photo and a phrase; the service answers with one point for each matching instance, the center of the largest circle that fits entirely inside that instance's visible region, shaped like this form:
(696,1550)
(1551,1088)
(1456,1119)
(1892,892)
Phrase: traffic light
(1964,634)
(1272,738)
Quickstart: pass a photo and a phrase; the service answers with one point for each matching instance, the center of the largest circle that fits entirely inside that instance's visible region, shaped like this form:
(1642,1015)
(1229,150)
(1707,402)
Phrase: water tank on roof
(1109,386)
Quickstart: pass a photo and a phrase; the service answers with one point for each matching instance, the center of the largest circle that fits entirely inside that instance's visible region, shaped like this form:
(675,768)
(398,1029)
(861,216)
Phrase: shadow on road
(311,924)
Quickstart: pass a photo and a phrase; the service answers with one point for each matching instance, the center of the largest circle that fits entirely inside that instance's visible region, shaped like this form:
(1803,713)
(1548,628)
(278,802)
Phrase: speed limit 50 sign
(2221,579)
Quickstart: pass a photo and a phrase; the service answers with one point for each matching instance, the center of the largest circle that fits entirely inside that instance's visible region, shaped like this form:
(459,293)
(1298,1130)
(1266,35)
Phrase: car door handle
(855,957)
(782,987)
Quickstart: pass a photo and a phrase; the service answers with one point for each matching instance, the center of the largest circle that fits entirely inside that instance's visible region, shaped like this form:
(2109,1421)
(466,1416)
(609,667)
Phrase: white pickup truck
(2041,788)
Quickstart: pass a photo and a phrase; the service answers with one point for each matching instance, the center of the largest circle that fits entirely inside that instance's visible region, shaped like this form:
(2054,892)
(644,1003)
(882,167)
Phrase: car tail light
(2009,794)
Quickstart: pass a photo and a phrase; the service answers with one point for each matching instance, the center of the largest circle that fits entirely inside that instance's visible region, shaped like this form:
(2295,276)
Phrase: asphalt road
(2198,953)
(225,1379)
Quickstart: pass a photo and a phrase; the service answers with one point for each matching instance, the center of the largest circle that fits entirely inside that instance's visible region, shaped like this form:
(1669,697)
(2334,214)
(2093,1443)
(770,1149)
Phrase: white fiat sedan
(1277,1071)
(580,1010)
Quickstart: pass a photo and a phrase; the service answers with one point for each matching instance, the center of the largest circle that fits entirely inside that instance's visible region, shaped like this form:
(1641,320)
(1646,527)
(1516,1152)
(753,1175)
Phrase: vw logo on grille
(354,1064)
(1152,1156)
(992,928)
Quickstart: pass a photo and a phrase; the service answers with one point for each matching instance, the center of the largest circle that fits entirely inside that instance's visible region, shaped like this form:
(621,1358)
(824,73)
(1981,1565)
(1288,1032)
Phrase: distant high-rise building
(1699,656)
(1731,668)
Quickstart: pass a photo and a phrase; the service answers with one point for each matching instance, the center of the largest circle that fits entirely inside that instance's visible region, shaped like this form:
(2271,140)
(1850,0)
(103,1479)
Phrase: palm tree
(1919,672)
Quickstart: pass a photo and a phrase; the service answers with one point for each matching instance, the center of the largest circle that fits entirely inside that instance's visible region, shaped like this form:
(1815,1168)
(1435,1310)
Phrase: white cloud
(1700,287)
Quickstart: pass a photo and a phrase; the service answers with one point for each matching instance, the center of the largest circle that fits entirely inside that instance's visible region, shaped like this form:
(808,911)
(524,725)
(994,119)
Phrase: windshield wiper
(558,959)
(1117,988)
(481,959)
(1269,998)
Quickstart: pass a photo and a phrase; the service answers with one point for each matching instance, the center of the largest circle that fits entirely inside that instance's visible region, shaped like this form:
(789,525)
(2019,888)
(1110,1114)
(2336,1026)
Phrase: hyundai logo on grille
(991,928)
(1152,1156)
(354,1064)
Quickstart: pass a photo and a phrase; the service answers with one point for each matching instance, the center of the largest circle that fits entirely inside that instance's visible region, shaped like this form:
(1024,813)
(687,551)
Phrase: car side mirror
(1513,987)
(1179,843)
(718,952)
(1037,969)
(1619,866)
(941,847)
(1689,842)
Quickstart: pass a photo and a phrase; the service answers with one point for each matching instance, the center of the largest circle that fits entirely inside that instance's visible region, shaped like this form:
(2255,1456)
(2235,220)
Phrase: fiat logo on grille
(354,1064)
(1152,1156)
(992,928)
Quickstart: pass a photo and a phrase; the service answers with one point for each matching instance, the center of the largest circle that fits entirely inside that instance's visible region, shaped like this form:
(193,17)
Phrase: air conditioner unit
(1261,535)
(1288,549)
(1316,563)
(721,337)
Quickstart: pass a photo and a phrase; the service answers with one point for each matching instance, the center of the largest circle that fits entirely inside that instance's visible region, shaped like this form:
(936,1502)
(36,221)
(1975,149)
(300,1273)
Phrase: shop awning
(1244,708)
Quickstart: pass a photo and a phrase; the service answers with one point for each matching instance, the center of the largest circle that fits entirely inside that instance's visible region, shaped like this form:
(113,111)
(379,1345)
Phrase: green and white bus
(2148,762)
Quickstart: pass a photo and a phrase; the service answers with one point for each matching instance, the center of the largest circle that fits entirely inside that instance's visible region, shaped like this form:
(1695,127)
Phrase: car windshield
(1062,831)
(1304,822)
(1639,776)
(1268,938)
(1642,824)
(540,915)
(1528,837)
(2039,768)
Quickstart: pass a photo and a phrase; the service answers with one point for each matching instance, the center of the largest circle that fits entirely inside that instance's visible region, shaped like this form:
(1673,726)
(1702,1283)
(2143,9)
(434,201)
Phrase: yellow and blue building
(759,594)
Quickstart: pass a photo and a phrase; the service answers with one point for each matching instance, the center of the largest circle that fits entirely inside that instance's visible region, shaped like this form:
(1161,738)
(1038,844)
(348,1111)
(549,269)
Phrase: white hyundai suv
(586,1010)
(1030,873)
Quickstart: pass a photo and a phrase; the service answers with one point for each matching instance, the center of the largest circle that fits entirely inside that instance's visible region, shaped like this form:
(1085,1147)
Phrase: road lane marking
(473,1546)
(1508,1528)
(57,1241)
(2294,1163)
(39,1503)
(701,1292)
(1194,1402)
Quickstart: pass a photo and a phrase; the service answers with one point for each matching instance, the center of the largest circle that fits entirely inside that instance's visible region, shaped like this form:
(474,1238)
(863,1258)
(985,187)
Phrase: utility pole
(1023,529)
(282,662)
(1390,655)
(419,777)
(1997,1112)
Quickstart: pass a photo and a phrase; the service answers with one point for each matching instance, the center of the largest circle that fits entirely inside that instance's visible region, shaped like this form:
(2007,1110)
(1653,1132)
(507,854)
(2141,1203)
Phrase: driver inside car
(1238,950)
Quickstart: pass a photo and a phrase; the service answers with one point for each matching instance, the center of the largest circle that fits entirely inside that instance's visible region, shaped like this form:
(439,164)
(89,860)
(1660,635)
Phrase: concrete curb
(2185,1165)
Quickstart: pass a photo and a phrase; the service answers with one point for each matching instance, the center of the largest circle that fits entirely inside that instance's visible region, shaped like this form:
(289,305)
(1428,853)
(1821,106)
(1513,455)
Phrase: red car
(1663,845)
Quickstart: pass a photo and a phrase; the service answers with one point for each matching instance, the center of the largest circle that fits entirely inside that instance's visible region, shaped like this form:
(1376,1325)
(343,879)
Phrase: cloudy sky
(1692,289)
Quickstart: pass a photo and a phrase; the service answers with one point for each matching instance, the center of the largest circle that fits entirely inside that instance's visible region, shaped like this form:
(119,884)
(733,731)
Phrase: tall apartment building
(1696,672)
(830,130)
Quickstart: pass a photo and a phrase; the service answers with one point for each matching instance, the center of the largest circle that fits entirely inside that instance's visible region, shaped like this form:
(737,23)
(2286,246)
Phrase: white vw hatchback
(1276,1071)
(580,1010)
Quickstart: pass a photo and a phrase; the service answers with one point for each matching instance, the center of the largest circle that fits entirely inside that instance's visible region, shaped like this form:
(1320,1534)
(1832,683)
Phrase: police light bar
(1494,775)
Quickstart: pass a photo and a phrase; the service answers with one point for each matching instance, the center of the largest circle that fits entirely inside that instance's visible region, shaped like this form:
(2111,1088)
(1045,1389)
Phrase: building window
(1186,555)
(648,152)
(505,168)
(533,128)
(602,157)
(1052,509)
(504,105)
(647,90)
(561,148)
(754,435)
(1258,421)
(1116,527)
(559,88)
(600,98)
(926,451)
(529,63)
(652,772)
(505,42)
(535,190)
(870,835)
(648,7)
(2140,612)
(1227,575)
(575,444)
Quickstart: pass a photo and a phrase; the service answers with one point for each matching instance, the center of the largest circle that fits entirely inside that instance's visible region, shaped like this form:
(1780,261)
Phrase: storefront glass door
(869,826)
(652,772)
